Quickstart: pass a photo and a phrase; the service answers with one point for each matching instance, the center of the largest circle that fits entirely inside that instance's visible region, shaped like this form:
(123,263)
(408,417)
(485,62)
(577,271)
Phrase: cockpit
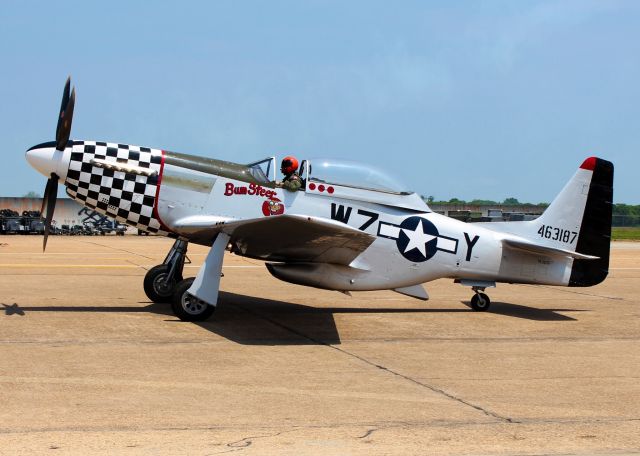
(342,179)
(349,174)
(329,171)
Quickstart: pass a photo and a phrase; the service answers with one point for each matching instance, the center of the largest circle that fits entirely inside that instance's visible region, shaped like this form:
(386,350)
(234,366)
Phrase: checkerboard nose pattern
(127,197)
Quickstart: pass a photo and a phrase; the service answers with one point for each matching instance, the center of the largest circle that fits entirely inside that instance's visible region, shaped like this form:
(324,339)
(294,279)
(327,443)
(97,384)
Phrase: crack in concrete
(435,389)
(368,433)
(246,442)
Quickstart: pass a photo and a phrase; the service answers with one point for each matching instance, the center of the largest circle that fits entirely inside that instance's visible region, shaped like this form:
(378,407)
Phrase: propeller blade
(47,190)
(63,105)
(50,197)
(63,131)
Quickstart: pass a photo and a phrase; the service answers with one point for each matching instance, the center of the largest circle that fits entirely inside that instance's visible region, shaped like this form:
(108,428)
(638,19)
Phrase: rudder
(595,232)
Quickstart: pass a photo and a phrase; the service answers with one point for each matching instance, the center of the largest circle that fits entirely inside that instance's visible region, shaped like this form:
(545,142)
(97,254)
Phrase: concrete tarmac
(89,366)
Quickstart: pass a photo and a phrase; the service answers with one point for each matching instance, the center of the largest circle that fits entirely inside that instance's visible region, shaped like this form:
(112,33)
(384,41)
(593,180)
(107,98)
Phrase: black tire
(187,307)
(480,302)
(153,284)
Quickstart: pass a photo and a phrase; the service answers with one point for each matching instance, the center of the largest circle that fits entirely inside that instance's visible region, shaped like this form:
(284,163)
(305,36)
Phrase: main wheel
(480,302)
(155,285)
(186,306)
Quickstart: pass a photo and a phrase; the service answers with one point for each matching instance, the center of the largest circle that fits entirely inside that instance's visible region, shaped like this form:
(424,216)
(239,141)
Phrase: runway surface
(89,366)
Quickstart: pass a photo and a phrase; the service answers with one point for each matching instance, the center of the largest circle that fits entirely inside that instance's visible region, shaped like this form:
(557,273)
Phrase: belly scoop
(129,197)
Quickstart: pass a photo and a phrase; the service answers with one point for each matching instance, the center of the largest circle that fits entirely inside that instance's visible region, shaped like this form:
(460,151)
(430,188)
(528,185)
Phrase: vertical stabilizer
(578,220)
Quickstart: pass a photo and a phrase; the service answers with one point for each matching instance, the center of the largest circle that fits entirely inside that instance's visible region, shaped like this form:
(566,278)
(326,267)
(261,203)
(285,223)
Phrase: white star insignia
(418,239)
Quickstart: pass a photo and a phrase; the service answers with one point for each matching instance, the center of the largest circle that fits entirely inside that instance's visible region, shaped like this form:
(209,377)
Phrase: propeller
(63,131)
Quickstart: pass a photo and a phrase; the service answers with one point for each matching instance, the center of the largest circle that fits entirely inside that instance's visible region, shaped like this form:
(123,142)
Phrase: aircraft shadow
(528,313)
(250,320)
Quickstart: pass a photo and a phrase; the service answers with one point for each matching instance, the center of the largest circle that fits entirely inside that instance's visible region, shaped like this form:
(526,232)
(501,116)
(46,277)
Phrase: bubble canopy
(350,174)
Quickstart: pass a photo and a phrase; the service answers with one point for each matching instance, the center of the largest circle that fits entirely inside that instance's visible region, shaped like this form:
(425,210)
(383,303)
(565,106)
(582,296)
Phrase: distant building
(67,212)
(489,213)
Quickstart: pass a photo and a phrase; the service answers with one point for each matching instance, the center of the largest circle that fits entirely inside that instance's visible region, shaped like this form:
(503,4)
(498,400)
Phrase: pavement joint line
(136,264)
(378,366)
(501,339)
(379,426)
(117,249)
(131,265)
(49,274)
(46,254)
(216,342)
(613,298)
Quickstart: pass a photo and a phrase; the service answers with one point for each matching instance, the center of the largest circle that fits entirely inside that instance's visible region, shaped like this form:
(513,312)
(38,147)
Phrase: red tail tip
(589,163)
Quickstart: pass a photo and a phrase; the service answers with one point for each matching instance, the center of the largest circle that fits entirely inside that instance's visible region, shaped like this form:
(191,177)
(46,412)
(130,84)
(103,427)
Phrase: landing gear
(480,302)
(160,281)
(186,306)
(195,298)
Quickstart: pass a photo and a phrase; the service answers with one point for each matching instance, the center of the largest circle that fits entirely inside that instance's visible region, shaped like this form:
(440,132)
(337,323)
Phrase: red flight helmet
(289,165)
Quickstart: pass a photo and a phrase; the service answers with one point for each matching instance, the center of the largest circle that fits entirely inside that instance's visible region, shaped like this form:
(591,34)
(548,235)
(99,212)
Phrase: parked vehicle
(31,222)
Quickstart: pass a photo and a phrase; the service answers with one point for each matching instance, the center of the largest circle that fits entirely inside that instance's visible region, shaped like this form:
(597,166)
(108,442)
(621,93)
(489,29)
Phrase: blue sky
(458,99)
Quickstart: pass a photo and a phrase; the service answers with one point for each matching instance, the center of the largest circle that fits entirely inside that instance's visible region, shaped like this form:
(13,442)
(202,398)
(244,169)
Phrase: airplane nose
(45,159)
(42,159)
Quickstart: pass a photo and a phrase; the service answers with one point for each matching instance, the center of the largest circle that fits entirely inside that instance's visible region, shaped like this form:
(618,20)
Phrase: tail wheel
(186,306)
(156,287)
(480,302)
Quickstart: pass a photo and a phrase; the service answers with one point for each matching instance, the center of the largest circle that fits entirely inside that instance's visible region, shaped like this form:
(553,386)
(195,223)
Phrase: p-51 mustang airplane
(349,228)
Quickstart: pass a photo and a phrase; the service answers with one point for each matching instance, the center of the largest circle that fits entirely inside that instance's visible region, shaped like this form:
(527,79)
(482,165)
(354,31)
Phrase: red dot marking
(589,163)
(321,188)
(330,190)
(312,186)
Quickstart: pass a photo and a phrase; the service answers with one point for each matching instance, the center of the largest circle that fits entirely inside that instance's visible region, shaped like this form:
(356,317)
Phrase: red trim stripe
(155,201)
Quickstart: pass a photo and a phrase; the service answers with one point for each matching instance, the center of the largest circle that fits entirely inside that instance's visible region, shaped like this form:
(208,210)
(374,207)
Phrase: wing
(283,238)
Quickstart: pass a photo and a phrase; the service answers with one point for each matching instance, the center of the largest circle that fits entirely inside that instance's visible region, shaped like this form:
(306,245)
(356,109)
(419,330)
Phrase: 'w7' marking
(343,214)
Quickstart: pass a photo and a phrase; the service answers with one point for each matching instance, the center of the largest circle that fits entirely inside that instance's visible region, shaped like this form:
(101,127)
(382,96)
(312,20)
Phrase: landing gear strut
(160,281)
(195,299)
(480,302)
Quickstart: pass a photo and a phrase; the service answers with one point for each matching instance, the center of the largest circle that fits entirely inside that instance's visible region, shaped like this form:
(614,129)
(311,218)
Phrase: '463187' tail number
(557,234)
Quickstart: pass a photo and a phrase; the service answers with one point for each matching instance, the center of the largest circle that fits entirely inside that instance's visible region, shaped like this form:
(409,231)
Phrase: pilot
(289,168)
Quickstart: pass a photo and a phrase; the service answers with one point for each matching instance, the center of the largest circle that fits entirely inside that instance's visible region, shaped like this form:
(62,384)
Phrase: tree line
(482,202)
(618,209)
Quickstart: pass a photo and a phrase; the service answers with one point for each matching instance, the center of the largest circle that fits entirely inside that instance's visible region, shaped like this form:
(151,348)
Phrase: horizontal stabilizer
(528,246)
(415,291)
